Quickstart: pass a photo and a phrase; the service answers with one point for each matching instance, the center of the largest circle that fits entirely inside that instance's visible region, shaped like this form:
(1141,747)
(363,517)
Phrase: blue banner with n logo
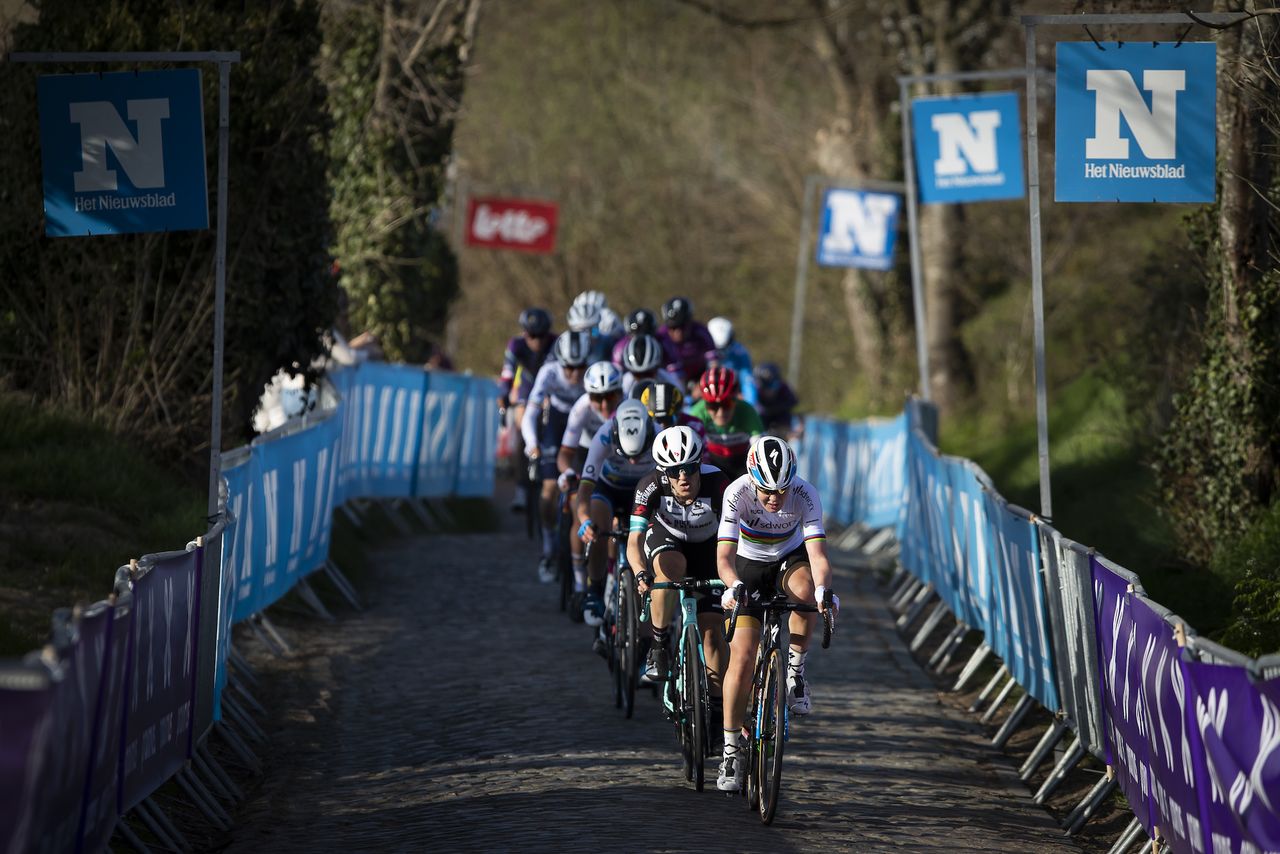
(968,148)
(122,152)
(859,229)
(1136,122)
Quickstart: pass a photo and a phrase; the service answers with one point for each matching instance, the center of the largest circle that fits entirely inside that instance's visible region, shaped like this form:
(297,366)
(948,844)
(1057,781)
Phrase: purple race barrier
(158,708)
(26,701)
(1237,719)
(98,811)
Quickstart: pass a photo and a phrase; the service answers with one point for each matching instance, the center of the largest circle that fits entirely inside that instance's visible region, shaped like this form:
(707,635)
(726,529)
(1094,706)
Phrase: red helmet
(719,384)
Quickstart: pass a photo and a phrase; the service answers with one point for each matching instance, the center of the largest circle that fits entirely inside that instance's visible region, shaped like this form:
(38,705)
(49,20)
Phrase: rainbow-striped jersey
(761,535)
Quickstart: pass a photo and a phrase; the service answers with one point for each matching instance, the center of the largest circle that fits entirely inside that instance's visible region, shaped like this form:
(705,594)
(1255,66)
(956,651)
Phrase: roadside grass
(1103,492)
(76,502)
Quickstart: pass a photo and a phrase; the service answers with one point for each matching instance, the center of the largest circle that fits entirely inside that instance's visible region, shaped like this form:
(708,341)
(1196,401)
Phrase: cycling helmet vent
(771,463)
(676,446)
(643,354)
(572,349)
(719,384)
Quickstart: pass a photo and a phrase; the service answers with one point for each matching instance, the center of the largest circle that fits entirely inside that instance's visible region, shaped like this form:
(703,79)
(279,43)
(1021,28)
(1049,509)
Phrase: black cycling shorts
(549,435)
(699,558)
(620,500)
(763,577)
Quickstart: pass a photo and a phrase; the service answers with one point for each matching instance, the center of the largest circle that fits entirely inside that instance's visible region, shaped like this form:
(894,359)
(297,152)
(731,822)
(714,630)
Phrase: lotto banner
(525,225)
(1136,122)
(968,148)
(859,229)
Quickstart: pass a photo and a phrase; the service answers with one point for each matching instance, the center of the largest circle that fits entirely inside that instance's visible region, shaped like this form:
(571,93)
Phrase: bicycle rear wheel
(773,696)
(695,704)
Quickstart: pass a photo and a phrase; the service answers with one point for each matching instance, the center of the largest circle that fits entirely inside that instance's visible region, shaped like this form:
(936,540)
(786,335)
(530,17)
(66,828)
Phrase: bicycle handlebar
(689,584)
(781,603)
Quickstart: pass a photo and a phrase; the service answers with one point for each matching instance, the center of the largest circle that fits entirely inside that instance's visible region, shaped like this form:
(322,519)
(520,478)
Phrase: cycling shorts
(763,578)
(549,443)
(620,500)
(699,558)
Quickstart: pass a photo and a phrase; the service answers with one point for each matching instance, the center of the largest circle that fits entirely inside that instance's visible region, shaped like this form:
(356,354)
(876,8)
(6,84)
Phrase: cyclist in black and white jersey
(673,526)
(555,391)
(596,406)
(620,456)
(771,539)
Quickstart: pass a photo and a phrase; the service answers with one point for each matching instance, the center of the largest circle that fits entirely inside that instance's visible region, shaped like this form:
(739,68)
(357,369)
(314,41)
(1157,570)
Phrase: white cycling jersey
(761,535)
(607,464)
(583,424)
(551,385)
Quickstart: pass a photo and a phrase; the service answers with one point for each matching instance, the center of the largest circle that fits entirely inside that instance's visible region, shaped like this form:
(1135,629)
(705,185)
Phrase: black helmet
(535,321)
(642,322)
(677,311)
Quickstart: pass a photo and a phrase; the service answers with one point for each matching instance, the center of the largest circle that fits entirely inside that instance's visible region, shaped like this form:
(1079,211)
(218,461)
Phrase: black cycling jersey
(695,522)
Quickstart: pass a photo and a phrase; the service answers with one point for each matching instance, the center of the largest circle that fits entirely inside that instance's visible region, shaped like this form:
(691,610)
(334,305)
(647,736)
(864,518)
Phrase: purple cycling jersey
(689,356)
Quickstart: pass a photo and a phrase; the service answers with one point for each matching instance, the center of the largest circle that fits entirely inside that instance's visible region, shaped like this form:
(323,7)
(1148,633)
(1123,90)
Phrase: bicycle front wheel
(695,704)
(628,639)
(772,733)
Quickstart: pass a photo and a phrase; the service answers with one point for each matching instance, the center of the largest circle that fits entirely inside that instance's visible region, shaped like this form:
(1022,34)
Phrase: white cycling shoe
(797,694)
(733,769)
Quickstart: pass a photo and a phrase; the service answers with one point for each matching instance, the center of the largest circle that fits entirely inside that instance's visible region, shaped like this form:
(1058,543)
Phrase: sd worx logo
(1136,122)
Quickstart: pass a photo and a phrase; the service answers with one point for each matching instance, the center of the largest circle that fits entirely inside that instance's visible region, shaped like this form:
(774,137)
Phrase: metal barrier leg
(269,639)
(939,612)
(203,801)
(242,666)
(1126,839)
(918,603)
(242,719)
(999,700)
(971,667)
(148,818)
(1078,816)
(167,824)
(313,601)
(242,751)
(1051,737)
(421,513)
(899,600)
(1013,722)
(1059,772)
(242,691)
(948,645)
(442,513)
(851,537)
(397,521)
(123,828)
(878,541)
(991,686)
(344,586)
(269,627)
(898,577)
(350,512)
(204,760)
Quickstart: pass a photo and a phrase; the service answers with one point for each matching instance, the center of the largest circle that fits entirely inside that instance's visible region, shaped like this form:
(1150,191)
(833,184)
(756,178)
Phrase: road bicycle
(686,696)
(767,711)
(624,647)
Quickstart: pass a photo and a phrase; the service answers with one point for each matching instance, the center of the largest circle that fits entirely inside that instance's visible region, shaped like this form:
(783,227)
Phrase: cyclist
(777,400)
(642,360)
(771,540)
(523,358)
(642,321)
(620,456)
(688,341)
(731,423)
(590,313)
(557,388)
(665,404)
(597,405)
(731,354)
(673,529)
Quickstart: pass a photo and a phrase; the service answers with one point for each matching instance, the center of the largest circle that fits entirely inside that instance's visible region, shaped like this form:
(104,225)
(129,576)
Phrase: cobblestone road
(462,712)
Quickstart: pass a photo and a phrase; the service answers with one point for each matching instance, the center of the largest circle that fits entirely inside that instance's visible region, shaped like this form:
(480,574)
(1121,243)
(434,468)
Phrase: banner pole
(220,286)
(913,237)
(802,275)
(1037,273)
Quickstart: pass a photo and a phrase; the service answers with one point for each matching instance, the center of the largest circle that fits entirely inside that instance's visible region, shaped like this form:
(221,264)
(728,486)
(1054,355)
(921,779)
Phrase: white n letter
(101,126)
(1155,130)
(975,135)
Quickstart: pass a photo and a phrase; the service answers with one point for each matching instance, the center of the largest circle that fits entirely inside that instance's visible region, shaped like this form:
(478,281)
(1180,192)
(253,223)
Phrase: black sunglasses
(688,470)
(724,404)
(601,398)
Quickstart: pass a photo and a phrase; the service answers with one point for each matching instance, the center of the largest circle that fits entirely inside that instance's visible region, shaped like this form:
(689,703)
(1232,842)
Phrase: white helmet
(610,323)
(573,348)
(583,317)
(676,446)
(771,463)
(642,354)
(721,329)
(602,378)
(632,429)
(594,299)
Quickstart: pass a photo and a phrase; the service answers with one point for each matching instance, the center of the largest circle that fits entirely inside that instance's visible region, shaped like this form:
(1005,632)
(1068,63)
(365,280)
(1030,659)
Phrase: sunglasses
(688,470)
(777,492)
(601,398)
(724,404)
